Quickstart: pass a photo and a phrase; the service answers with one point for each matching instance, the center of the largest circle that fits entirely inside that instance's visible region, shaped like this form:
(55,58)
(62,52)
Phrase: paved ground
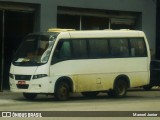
(136,100)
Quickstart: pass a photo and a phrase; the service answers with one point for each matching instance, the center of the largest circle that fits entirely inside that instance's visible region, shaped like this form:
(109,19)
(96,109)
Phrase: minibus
(64,61)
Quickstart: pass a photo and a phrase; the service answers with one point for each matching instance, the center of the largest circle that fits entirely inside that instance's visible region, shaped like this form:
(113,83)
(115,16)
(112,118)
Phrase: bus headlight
(39,76)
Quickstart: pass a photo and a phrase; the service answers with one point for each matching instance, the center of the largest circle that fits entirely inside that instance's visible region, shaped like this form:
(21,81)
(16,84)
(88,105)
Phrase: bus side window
(62,51)
(79,48)
(138,48)
(98,48)
(119,47)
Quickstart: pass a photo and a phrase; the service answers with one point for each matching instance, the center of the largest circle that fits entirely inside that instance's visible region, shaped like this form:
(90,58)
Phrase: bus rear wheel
(62,91)
(30,96)
(120,89)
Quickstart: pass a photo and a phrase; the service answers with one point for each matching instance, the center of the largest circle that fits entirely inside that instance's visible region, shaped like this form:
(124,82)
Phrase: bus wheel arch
(63,87)
(123,77)
(121,83)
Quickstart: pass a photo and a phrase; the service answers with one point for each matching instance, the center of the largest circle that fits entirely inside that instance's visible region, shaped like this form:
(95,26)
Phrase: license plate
(21,82)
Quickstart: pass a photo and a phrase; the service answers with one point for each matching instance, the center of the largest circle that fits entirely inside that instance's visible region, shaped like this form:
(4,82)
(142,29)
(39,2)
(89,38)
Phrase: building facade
(20,17)
(158,31)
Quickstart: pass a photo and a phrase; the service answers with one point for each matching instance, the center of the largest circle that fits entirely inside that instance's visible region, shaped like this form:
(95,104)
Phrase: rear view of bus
(62,61)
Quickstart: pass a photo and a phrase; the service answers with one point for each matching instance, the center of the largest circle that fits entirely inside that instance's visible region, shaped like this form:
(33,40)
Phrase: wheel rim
(63,91)
(121,88)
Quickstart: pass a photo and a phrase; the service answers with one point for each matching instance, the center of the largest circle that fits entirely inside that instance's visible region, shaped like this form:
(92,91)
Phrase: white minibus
(64,61)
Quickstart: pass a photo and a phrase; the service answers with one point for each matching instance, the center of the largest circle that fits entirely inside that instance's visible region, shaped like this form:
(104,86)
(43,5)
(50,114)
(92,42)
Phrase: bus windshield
(34,50)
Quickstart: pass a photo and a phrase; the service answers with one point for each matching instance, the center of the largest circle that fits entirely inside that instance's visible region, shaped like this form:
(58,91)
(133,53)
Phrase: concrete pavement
(136,99)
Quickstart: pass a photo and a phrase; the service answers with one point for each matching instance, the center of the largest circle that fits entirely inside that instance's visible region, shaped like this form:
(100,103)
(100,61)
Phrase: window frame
(109,48)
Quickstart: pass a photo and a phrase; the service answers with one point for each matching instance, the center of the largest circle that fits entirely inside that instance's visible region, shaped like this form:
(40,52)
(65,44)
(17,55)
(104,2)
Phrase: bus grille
(25,86)
(22,77)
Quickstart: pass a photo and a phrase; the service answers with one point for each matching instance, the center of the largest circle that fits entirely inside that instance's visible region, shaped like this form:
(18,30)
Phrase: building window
(68,21)
(94,23)
(92,19)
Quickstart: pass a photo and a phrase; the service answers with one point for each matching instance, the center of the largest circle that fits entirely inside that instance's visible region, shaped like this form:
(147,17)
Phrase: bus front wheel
(62,91)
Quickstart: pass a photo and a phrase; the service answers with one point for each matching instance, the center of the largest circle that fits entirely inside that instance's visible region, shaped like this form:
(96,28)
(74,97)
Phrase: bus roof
(98,33)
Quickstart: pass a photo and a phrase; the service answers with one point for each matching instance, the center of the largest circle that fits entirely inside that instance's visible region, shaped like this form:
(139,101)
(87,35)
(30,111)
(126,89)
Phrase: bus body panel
(99,74)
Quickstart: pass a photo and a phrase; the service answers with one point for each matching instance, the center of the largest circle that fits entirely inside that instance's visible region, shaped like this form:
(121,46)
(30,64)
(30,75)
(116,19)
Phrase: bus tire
(120,89)
(62,91)
(30,96)
(89,94)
